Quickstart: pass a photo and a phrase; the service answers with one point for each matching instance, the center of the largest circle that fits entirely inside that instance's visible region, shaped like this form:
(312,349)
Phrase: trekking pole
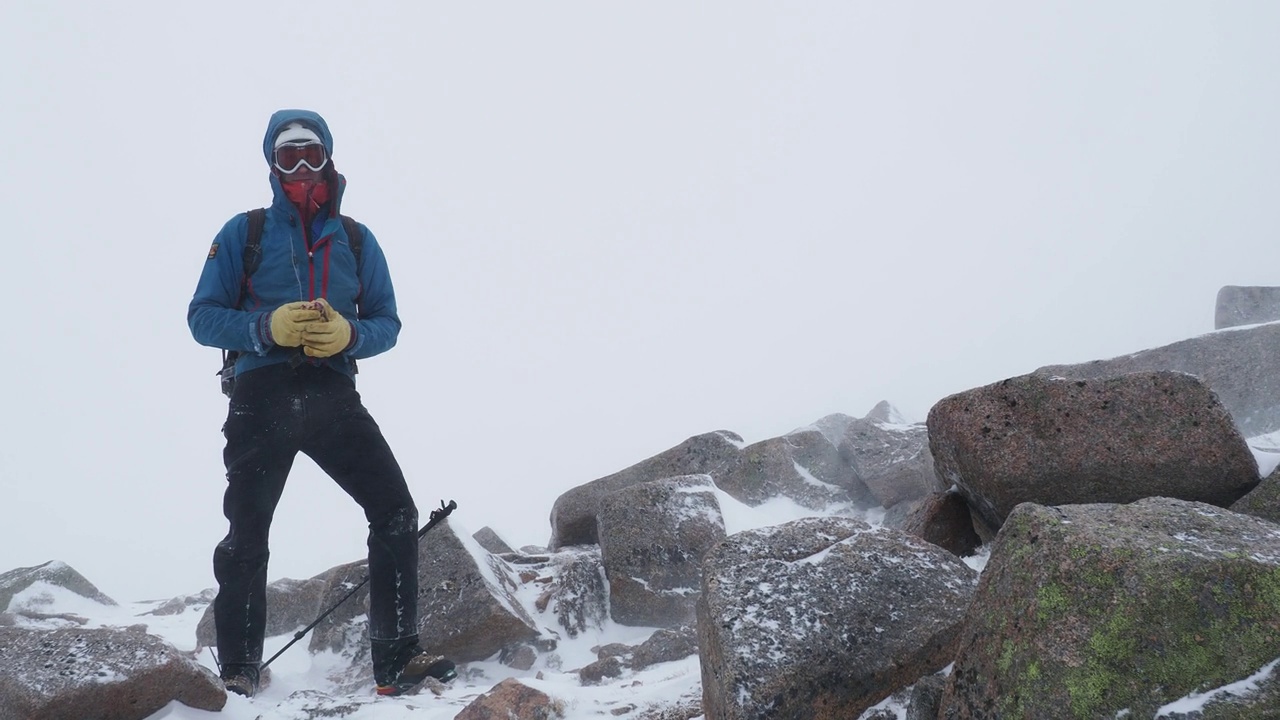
(437,515)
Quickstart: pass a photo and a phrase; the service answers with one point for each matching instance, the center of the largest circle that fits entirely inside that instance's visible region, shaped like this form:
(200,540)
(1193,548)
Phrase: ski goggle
(290,156)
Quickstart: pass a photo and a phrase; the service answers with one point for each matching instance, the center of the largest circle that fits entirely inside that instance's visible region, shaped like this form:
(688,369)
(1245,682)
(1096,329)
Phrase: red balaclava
(310,194)
(306,195)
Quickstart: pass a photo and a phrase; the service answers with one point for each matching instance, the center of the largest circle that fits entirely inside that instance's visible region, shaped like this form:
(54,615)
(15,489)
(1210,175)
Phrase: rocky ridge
(1124,534)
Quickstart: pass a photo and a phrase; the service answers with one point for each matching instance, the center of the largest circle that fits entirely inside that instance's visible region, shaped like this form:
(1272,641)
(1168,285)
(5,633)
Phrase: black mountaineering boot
(408,667)
(241,678)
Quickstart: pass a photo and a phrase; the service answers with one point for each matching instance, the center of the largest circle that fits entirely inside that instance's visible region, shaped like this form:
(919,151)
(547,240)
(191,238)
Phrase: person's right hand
(287,322)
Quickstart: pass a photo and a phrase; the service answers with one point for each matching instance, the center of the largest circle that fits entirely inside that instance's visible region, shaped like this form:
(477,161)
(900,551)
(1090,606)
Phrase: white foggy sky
(611,226)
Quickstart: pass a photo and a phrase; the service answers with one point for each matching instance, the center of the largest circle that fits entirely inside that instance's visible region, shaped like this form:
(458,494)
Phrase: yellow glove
(330,335)
(287,322)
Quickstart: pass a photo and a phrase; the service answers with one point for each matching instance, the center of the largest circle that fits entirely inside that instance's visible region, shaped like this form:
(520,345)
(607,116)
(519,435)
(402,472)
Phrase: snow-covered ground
(300,685)
(300,688)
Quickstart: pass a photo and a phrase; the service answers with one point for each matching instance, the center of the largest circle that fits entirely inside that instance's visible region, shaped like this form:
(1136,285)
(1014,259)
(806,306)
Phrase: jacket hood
(281,118)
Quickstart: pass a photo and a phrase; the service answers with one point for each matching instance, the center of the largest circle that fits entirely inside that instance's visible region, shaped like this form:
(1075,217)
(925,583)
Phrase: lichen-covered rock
(1053,441)
(573,517)
(821,618)
(1087,611)
(652,540)
(101,673)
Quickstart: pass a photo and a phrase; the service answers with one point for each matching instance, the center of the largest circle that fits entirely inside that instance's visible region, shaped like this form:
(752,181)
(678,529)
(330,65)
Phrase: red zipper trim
(311,275)
(306,243)
(324,270)
(324,280)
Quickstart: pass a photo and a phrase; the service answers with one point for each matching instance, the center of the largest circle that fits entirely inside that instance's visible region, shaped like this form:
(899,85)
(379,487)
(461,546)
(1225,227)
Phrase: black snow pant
(277,411)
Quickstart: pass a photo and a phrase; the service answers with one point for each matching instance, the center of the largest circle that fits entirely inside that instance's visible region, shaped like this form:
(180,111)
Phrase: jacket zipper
(311,265)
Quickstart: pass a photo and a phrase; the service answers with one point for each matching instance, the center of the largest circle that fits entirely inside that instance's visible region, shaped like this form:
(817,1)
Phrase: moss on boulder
(1084,611)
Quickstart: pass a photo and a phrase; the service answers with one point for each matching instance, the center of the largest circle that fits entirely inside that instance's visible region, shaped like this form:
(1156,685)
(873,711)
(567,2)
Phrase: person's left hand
(329,335)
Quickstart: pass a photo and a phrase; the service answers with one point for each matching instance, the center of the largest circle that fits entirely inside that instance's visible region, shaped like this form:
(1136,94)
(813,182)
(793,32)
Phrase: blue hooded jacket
(290,271)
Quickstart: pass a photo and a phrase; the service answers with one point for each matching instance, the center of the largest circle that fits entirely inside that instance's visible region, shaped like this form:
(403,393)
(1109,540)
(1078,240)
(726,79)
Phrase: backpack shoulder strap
(251,258)
(253,240)
(354,236)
